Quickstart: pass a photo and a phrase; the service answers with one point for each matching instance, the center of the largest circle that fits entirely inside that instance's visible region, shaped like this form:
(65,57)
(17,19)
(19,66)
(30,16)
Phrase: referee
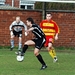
(16,31)
(38,41)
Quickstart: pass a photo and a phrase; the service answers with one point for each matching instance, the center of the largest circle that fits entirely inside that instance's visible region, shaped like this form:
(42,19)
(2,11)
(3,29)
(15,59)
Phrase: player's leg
(19,34)
(25,47)
(38,45)
(12,42)
(48,44)
(39,57)
(55,56)
(20,44)
(52,52)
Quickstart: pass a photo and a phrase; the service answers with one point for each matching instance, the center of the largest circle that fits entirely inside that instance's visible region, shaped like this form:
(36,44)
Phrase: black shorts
(39,42)
(18,34)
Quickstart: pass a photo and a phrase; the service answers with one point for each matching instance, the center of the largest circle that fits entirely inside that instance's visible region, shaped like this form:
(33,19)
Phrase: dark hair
(48,13)
(30,19)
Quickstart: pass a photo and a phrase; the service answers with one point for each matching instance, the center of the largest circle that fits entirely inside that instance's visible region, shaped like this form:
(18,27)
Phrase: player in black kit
(38,41)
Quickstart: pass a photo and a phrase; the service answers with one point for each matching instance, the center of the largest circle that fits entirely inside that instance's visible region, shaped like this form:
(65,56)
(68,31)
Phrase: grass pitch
(31,66)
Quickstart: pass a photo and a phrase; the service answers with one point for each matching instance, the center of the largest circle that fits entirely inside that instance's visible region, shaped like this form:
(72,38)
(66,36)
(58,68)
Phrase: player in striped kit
(16,30)
(51,30)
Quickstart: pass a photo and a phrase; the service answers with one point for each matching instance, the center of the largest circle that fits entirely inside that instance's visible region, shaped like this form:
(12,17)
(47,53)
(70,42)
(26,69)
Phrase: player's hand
(56,37)
(11,33)
(26,33)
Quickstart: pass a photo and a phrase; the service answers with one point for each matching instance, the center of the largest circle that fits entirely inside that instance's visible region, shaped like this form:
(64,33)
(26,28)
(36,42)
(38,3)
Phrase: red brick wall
(16,3)
(8,2)
(66,22)
(8,16)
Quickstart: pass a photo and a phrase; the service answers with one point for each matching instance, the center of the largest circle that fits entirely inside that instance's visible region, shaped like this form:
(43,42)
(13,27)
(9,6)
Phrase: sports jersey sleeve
(10,27)
(25,27)
(41,25)
(56,28)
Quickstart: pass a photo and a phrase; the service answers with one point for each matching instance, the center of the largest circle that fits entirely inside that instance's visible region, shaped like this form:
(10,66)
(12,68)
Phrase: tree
(56,6)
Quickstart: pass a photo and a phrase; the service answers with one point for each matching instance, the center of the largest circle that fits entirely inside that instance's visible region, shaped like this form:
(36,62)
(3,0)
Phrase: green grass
(30,66)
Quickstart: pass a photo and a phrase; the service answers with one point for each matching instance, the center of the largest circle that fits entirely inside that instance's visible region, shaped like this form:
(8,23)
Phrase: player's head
(18,19)
(48,16)
(29,21)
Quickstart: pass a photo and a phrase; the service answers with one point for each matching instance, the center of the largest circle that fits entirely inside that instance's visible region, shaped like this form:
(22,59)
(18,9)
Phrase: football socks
(52,53)
(39,57)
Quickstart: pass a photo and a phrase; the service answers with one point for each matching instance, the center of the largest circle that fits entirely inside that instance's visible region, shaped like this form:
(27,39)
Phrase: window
(22,6)
(26,5)
(2,2)
(29,7)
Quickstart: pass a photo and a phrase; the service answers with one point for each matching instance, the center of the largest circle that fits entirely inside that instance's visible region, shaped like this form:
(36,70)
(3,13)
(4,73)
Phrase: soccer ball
(20,58)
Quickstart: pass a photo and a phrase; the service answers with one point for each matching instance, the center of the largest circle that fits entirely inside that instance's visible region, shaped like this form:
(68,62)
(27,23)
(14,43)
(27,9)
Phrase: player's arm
(27,31)
(25,27)
(11,28)
(56,36)
(30,29)
(12,25)
(57,31)
(41,25)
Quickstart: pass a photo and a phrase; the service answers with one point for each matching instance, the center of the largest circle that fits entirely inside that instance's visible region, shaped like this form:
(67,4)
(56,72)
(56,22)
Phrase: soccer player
(16,30)
(38,41)
(51,30)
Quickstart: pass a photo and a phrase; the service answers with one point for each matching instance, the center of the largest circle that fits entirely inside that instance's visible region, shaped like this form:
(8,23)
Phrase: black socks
(39,57)
(24,48)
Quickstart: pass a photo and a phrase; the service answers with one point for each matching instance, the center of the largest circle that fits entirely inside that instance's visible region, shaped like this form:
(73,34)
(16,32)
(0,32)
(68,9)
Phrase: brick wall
(16,3)
(65,20)
(8,16)
(8,2)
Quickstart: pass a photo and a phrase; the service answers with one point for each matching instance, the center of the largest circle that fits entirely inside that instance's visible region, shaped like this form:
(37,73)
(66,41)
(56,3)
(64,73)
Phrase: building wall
(65,20)
(8,16)
(16,3)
